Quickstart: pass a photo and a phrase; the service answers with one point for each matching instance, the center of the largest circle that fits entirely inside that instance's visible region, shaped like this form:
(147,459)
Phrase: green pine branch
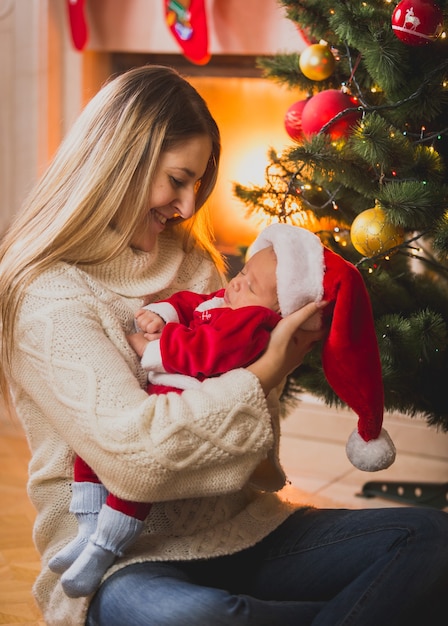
(395,157)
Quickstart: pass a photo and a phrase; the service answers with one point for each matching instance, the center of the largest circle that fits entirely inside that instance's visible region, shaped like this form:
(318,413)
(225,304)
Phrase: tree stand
(434,495)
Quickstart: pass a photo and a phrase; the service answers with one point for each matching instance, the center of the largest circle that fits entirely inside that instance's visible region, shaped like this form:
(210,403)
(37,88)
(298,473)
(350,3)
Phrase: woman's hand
(138,342)
(287,347)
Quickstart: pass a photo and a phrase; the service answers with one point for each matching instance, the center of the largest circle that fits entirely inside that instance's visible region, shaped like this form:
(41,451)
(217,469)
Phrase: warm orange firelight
(250,113)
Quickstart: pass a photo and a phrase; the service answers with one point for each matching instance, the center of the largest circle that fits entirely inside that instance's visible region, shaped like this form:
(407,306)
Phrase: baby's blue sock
(115,531)
(86,503)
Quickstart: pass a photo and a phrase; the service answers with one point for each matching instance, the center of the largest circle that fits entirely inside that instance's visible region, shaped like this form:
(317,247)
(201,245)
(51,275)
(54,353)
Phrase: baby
(190,337)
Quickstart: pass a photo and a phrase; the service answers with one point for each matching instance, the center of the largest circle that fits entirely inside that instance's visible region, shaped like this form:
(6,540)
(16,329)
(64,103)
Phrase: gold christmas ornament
(371,234)
(317,62)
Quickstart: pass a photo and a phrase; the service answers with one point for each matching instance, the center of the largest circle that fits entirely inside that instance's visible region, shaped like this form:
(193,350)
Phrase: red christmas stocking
(187,22)
(78,23)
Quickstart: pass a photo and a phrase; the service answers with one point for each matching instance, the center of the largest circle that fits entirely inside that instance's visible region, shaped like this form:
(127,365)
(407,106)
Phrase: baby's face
(256,284)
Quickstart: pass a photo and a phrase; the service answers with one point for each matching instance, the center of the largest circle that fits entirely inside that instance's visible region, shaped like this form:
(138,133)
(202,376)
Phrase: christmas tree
(367,171)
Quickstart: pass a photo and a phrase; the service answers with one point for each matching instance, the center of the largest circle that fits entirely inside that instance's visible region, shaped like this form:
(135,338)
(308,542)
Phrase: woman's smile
(161,218)
(158,217)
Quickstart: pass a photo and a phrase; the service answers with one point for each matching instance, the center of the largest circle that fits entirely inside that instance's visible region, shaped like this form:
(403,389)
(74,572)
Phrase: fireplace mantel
(235,27)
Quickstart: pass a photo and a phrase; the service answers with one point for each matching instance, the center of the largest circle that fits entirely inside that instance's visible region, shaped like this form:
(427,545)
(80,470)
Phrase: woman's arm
(76,376)
(287,347)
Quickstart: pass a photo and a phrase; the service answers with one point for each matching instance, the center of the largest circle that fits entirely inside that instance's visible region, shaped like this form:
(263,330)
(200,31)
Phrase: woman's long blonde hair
(101,177)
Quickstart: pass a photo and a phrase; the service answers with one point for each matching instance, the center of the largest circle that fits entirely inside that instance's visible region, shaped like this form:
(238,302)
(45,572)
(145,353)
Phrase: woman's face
(173,193)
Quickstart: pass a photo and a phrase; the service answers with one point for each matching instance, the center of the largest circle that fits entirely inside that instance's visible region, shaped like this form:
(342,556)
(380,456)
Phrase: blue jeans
(385,567)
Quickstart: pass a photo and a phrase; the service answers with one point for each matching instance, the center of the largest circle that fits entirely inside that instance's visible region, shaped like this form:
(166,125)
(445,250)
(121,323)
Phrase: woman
(115,217)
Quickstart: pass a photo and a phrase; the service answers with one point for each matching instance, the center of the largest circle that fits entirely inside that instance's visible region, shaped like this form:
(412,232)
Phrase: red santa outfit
(203,337)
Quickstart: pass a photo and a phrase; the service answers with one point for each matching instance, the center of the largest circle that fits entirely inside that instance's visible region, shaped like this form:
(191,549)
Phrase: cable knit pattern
(79,387)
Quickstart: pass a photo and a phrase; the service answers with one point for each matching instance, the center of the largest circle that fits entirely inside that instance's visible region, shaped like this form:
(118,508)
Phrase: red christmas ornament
(323,107)
(417,22)
(293,120)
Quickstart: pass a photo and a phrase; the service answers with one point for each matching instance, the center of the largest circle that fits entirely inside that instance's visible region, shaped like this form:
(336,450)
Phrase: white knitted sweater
(79,387)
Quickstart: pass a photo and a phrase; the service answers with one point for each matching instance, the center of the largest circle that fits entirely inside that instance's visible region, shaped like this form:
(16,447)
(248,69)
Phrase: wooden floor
(19,561)
(314,434)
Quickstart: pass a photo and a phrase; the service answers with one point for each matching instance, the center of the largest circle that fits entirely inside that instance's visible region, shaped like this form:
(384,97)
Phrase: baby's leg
(88,496)
(120,522)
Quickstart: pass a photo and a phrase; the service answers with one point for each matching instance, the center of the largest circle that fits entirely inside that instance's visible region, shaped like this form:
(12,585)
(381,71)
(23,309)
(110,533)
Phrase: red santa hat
(309,272)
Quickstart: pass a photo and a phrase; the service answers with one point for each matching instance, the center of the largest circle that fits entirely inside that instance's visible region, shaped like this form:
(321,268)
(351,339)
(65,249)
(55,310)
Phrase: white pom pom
(373,455)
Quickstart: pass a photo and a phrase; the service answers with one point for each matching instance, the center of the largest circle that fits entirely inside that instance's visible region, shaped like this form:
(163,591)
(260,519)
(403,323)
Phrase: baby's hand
(150,323)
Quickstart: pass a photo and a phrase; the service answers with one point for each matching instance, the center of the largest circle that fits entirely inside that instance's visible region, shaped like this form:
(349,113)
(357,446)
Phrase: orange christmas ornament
(317,62)
(372,234)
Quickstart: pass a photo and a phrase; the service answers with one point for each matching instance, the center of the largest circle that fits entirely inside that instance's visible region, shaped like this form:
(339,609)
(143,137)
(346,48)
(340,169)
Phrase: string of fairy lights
(292,195)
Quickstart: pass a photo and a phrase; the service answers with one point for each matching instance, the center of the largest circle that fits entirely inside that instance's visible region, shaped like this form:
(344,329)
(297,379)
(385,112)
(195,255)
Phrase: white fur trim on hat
(300,264)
